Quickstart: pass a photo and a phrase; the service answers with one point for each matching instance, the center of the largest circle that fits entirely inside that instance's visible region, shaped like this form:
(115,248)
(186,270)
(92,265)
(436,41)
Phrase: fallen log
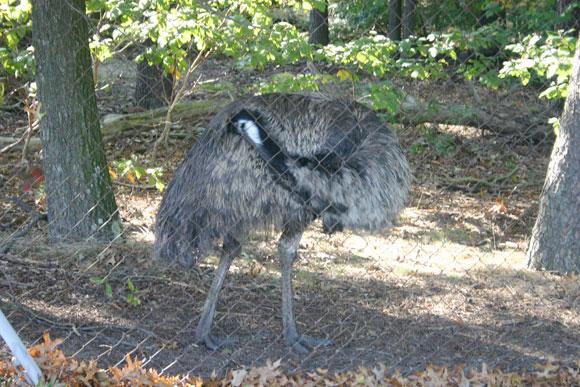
(34,141)
(114,124)
(415,111)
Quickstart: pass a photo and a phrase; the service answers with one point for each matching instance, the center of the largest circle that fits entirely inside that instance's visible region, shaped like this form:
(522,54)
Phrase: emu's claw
(302,343)
(213,342)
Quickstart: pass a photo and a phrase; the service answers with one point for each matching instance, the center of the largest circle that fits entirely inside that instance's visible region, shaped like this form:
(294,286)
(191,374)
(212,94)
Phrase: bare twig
(14,142)
(138,186)
(201,57)
(179,93)
(31,110)
(469,184)
(10,108)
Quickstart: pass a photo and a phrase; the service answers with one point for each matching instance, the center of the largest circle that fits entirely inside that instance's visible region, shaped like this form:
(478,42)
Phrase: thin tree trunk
(80,201)
(152,87)
(409,8)
(555,241)
(319,26)
(395,20)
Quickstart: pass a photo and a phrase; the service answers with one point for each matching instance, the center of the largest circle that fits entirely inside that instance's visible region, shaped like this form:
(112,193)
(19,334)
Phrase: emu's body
(280,160)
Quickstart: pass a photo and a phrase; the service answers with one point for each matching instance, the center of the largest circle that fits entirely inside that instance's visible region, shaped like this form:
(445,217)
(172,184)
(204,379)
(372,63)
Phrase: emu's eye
(250,129)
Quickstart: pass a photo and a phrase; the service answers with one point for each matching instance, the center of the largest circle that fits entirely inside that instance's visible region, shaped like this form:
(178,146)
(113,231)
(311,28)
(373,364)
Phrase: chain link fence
(457,83)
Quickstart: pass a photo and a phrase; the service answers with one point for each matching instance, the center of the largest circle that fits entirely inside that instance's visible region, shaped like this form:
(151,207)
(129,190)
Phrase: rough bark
(409,8)
(395,20)
(80,201)
(555,241)
(318,26)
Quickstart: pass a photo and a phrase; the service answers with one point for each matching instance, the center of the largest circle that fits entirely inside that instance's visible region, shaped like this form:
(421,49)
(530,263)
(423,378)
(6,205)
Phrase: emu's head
(248,124)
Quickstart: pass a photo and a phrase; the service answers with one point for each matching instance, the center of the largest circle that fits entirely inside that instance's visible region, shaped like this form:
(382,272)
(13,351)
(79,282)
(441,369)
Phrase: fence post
(11,338)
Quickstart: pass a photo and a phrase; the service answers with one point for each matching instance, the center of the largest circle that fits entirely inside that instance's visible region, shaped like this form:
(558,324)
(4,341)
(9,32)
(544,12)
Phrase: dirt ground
(447,285)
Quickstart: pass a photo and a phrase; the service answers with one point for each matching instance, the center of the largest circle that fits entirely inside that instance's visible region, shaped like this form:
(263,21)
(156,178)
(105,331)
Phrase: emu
(280,160)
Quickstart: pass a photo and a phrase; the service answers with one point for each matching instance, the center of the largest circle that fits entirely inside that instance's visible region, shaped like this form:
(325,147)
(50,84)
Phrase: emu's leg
(287,250)
(231,249)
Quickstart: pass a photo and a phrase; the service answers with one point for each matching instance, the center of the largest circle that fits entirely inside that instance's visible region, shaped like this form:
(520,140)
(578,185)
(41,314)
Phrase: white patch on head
(251,130)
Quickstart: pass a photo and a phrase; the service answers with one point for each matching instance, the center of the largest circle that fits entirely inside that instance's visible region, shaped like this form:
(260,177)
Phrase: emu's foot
(213,342)
(301,344)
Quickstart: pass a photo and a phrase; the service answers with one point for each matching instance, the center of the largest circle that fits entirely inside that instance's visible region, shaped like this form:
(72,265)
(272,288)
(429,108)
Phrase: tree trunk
(80,201)
(153,88)
(318,26)
(395,20)
(555,241)
(409,18)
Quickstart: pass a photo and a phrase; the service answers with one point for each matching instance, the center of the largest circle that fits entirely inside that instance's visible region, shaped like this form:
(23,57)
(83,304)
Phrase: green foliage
(384,97)
(130,169)
(444,14)
(132,295)
(542,58)
(356,17)
(171,30)
(530,16)
(15,51)
(281,44)
(522,16)
(470,36)
(434,141)
(105,283)
(308,5)
(371,54)
(381,96)
(53,382)
(286,82)
(424,57)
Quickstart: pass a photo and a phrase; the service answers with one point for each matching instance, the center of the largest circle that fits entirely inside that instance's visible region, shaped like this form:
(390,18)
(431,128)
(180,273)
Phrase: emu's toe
(303,344)
(213,342)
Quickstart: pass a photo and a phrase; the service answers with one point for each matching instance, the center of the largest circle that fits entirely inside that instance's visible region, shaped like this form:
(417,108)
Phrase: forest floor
(448,285)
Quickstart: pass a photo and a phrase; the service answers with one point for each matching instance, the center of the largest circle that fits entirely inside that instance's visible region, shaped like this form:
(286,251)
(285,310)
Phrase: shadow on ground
(502,317)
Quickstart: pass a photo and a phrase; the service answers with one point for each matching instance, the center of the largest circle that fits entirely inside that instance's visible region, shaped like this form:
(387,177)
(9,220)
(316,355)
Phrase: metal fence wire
(370,197)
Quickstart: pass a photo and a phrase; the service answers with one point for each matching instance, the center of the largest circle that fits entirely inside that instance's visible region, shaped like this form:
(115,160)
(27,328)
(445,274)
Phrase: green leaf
(159,185)
(12,40)
(535,39)
(433,52)
(555,122)
(343,75)
(139,171)
(362,57)
(97,280)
